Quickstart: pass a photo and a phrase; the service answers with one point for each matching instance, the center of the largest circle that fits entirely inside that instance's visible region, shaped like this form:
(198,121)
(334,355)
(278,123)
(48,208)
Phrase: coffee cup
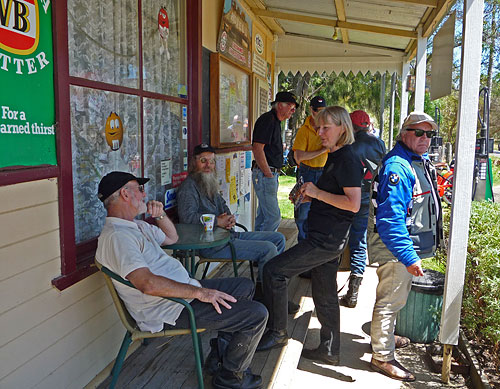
(208,219)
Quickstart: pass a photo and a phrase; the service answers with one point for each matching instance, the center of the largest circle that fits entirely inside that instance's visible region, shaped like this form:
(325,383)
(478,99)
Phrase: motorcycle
(445,181)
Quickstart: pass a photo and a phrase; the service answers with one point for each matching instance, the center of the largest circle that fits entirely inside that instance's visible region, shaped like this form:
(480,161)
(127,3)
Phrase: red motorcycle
(444,181)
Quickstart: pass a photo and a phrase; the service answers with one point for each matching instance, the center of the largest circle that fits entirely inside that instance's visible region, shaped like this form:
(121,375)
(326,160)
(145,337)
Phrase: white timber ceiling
(347,35)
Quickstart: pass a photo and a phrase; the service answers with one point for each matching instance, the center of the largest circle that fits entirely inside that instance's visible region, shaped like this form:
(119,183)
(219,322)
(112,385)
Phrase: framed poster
(261,97)
(230,106)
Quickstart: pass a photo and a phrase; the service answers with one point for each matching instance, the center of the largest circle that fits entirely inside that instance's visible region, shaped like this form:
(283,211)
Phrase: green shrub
(481,296)
(495,167)
(289,170)
(481,302)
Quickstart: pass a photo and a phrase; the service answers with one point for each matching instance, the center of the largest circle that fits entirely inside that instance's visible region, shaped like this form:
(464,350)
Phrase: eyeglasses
(211,161)
(140,187)
(419,132)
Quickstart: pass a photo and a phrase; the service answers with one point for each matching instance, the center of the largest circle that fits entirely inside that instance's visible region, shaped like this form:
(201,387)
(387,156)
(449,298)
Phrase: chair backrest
(127,320)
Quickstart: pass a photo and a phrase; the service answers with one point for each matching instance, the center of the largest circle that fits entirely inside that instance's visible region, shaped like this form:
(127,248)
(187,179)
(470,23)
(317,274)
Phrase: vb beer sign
(27,115)
(19,24)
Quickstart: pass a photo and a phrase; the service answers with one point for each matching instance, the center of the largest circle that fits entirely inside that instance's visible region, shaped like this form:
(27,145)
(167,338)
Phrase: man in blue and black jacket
(404,226)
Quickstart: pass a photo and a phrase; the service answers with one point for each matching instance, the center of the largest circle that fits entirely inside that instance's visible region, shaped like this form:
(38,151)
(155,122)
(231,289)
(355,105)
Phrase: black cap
(113,181)
(317,102)
(203,148)
(285,97)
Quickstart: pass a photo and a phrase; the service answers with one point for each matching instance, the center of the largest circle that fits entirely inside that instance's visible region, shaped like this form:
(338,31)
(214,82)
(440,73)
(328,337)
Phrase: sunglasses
(419,132)
(211,161)
(140,187)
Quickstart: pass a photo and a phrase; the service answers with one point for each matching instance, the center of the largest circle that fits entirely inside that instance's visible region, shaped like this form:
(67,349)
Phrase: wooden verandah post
(462,185)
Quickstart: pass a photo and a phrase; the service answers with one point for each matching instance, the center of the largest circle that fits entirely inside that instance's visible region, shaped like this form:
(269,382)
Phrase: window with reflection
(127,93)
(97,150)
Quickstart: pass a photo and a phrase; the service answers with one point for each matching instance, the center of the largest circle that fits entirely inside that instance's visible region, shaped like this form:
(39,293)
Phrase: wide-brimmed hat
(418,117)
(285,97)
(113,181)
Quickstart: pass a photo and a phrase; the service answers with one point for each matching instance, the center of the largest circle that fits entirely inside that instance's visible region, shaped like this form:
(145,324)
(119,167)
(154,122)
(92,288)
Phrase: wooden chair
(134,333)
(235,261)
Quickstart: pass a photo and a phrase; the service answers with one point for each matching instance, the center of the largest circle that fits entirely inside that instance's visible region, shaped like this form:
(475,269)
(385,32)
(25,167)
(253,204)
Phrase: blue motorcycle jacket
(405,211)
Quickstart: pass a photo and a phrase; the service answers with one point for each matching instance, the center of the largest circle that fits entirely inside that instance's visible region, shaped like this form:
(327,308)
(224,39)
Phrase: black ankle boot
(226,379)
(350,299)
(213,362)
(322,354)
(272,339)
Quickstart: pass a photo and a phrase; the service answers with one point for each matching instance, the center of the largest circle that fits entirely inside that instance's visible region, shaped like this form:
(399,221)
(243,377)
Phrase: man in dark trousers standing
(267,149)
(370,151)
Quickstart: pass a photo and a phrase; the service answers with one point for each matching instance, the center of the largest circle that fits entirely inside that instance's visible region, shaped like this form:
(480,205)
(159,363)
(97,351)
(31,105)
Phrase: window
(127,99)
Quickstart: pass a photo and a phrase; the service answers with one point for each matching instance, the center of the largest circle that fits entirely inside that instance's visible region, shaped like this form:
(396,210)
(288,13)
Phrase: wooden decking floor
(169,362)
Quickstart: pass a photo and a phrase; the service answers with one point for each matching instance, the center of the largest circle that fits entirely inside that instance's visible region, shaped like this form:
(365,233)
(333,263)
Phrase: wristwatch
(160,217)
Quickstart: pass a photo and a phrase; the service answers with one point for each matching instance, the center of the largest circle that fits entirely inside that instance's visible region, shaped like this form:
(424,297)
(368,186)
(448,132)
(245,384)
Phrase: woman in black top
(334,201)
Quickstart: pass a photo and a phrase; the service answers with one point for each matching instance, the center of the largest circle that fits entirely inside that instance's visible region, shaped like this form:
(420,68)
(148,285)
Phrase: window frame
(77,260)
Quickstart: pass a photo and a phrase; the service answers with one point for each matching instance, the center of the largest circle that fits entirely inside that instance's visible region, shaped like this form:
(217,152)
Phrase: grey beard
(207,183)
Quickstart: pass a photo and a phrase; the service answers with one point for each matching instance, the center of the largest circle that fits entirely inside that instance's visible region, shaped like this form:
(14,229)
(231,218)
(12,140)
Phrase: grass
(495,167)
(286,185)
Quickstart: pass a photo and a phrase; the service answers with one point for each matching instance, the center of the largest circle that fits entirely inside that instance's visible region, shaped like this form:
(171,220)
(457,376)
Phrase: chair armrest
(123,281)
(241,226)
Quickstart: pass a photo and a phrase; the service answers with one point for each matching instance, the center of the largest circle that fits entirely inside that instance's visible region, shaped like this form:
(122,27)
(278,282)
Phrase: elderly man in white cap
(404,226)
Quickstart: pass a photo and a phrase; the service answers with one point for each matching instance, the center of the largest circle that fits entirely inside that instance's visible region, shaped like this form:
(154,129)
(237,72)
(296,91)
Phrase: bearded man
(199,194)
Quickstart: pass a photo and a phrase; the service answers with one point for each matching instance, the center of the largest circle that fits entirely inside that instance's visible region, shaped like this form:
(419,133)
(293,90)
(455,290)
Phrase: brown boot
(392,369)
(401,341)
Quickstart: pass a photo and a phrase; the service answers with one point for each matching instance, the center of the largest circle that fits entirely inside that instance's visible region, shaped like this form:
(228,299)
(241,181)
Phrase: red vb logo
(19,26)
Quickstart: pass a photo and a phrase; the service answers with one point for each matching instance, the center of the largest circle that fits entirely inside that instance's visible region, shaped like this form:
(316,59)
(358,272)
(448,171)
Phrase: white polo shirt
(125,246)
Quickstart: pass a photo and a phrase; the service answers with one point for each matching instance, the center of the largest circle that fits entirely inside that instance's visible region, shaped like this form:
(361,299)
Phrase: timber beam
(334,23)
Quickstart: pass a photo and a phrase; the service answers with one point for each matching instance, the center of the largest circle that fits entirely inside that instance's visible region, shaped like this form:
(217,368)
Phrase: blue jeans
(308,175)
(258,246)
(268,212)
(357,239)
(242,325)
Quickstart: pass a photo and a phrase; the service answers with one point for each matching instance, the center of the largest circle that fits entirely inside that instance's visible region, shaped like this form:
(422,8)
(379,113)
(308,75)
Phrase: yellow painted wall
(49,338)
(211,11)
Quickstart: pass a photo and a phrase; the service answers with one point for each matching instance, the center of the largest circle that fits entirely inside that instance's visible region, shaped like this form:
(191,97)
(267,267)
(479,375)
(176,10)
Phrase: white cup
(208,219)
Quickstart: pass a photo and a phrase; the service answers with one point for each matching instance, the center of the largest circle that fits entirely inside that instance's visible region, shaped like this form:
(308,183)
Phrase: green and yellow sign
(27,115)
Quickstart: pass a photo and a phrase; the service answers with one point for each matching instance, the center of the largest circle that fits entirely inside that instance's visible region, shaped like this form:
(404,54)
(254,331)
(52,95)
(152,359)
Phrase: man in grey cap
(267,149)
(199,194)
(132,249)
(404,226)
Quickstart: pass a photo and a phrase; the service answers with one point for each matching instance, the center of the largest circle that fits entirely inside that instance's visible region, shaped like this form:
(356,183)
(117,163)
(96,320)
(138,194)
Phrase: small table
(192,237)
